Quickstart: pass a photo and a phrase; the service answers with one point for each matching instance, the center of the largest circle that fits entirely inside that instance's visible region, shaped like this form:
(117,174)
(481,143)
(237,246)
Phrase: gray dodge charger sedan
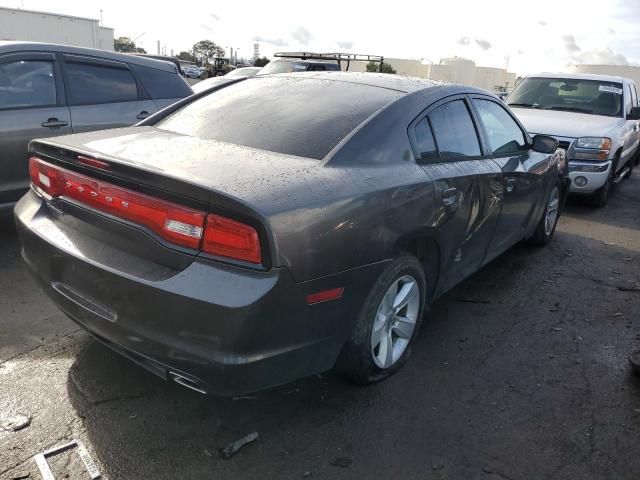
(283,225)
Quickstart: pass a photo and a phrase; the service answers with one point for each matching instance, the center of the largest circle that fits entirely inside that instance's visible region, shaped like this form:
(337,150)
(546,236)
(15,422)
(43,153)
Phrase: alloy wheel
(395,321)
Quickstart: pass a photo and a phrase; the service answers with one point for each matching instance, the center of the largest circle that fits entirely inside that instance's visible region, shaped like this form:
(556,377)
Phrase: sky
(529,37)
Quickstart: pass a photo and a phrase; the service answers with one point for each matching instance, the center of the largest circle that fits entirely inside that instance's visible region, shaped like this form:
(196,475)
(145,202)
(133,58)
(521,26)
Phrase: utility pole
(101,22)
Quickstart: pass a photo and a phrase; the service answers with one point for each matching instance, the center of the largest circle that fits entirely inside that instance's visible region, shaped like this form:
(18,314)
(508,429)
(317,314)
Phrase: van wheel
(547,225)
(387,324)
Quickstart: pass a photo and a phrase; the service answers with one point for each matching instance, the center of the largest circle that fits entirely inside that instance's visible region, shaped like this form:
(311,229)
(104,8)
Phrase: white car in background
(594,117)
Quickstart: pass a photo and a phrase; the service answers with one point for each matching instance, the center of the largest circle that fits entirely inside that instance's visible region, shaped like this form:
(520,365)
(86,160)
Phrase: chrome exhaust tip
(187,382)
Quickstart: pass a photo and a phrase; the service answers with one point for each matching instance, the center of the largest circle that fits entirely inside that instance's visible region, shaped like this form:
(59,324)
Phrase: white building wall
(618,70)
(26,25)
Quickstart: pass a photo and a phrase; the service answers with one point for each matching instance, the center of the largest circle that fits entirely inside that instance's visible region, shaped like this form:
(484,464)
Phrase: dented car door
(467,185)
(522,169)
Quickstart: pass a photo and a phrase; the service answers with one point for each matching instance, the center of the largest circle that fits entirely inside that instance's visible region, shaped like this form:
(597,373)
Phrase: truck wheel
(547,225)
(387,324)
(601,197)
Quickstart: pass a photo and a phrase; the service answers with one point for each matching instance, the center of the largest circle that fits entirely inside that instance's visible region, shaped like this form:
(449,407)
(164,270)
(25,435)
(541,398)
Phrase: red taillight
(93,162)
(229,238)
(175,223)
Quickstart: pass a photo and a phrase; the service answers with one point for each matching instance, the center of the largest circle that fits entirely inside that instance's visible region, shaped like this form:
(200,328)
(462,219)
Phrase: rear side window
(161,84)
(296,116)
(92,84)
(503,132)
(424,140)
(27,83)
(454,131)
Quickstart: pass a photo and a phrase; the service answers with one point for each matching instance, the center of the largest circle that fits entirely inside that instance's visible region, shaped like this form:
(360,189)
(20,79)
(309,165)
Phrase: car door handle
(511,184)
(142,115)
(450,197)
(54,122)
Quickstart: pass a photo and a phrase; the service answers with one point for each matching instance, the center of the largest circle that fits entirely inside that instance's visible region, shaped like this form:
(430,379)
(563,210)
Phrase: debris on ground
(342,462)
(233,448)
(16,422)
(43,466)
(306,474)
(556,329)
(21,476)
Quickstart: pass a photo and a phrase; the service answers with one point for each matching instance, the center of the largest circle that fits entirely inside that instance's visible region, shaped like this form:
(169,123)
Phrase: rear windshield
(305,117)
(568,94)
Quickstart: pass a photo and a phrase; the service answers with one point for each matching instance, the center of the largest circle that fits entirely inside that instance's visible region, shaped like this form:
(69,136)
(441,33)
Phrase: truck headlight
(592,148)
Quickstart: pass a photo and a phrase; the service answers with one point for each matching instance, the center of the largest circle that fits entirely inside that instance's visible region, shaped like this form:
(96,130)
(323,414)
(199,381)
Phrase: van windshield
(573,95)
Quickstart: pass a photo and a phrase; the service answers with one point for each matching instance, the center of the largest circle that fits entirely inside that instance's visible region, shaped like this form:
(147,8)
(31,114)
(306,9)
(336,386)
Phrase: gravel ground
(520,372)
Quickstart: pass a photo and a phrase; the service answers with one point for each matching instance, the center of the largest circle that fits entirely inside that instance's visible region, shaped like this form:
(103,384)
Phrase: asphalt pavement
(520,372)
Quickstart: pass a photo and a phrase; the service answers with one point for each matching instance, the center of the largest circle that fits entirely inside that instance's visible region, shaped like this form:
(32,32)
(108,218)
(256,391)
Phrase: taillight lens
(228,238)
(177,224)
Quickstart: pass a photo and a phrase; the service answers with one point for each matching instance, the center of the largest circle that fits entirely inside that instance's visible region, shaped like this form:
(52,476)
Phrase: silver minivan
(48,90)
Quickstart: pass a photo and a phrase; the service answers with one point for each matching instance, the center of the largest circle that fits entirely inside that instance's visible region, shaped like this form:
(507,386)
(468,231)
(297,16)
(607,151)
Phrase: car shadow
(500,362)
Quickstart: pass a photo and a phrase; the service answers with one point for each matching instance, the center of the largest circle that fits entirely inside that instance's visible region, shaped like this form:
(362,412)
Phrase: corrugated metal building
(32,26)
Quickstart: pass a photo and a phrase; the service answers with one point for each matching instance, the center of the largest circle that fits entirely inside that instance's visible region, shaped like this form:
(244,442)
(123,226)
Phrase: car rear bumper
(595,175)
(224,329)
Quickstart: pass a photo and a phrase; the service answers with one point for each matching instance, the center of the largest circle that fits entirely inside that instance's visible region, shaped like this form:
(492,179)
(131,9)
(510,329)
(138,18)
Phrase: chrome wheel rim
(395,321)
(552,211)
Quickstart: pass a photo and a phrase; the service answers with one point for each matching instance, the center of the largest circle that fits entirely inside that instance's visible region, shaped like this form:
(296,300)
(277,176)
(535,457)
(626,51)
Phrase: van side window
(27,83)
(93,84)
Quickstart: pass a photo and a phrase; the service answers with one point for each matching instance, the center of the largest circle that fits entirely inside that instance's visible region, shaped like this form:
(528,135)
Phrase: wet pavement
(520,372)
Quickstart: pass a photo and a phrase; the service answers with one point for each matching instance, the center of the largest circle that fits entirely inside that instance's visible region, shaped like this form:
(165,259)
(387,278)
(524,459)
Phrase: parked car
(242,239)
(165,58)
(240,73)
(48,90)
(195,72)
(594,117)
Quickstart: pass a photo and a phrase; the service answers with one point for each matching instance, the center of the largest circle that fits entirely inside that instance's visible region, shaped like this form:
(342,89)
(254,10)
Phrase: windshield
(281,114)
(281,66)
(574,95)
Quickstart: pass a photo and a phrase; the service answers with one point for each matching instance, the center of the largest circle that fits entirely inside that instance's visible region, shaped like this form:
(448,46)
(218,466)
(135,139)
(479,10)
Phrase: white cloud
(601,57)
(346,44)
(276,42)
(302,35)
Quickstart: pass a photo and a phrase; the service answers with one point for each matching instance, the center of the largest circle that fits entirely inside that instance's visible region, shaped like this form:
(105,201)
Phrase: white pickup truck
(595,118)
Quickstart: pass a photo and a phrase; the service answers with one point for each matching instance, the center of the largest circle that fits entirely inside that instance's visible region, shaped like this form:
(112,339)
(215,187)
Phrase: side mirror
(544,144)
(634,114)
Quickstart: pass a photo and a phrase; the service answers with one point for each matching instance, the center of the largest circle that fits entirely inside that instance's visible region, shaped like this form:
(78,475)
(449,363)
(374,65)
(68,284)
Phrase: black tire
(600,198)
(356,359)
(542,236)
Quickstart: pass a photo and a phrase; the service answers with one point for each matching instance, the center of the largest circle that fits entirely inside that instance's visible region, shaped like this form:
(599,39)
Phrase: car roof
(382,80)
(305,60)
(17,47)
(582,76)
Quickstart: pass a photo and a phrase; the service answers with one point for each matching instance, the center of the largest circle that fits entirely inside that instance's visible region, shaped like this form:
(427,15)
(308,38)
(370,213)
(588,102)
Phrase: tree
(207,49)
(375,67)
(187,56)
(261,62)
(126,45)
